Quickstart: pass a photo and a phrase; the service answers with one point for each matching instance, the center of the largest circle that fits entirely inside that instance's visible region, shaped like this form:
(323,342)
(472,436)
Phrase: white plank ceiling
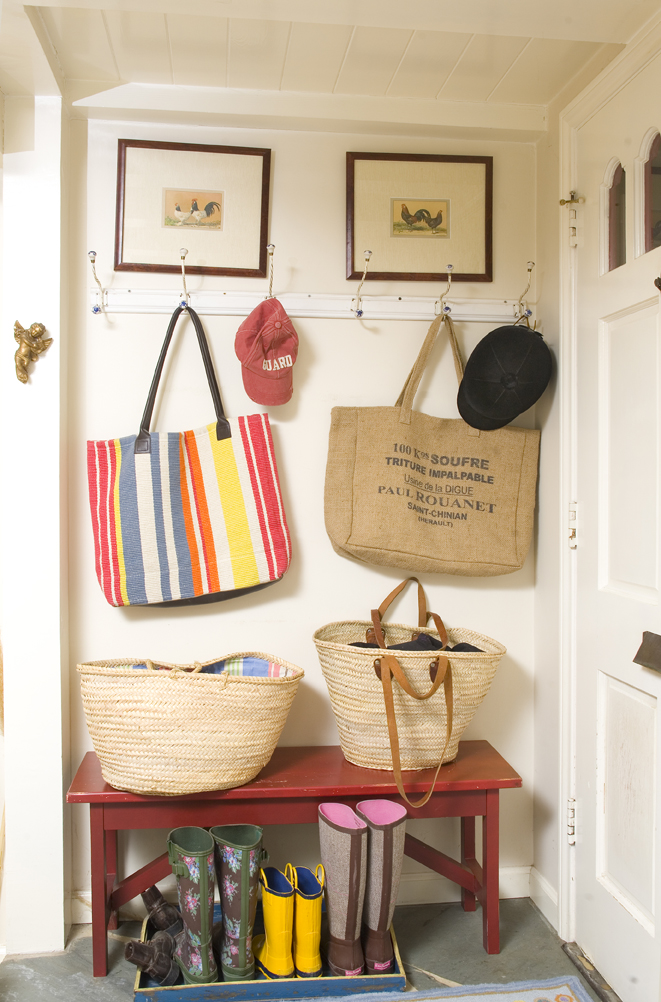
(424,67)
(114,46)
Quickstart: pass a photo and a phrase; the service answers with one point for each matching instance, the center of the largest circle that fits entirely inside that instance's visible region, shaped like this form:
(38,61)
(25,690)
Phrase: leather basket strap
(410,388)
(387,670)
(143,439)
(423,615)
(440,627)
(437,669)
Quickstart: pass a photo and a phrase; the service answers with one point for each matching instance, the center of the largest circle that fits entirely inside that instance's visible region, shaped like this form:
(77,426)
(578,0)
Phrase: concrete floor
(447,941)
(441,939)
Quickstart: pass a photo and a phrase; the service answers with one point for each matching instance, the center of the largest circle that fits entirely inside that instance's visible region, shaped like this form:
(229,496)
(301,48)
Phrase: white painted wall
(340,362)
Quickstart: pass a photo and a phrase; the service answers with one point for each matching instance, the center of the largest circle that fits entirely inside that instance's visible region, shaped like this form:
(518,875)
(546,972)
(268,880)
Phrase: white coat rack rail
(300,304)
(311,304)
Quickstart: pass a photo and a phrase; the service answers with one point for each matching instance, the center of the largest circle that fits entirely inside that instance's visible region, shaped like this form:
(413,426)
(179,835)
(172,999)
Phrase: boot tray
(261,989)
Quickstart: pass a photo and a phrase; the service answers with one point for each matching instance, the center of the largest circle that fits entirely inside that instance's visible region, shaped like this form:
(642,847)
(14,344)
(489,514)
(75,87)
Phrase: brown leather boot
(155,958)
(386,823)
(162,914)
(343,839)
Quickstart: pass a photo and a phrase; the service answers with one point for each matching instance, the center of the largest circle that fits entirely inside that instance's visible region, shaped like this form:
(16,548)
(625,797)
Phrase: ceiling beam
(316,112)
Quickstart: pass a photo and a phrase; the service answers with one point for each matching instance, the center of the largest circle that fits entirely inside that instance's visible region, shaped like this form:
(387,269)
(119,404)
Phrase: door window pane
(617,252)
(653,196)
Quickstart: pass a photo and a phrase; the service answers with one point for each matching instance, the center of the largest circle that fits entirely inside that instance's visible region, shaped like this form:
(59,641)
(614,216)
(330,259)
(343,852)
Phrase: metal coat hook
(358,310)
(186,300)
(102,307)
(524,313)
(270,248)
(439,306)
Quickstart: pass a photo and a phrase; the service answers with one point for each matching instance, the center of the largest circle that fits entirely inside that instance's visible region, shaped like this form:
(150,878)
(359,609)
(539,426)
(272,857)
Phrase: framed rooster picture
(418,213)
(213,200)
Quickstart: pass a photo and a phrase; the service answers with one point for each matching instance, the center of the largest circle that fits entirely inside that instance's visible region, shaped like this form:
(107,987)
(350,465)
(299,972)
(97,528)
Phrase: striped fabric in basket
(241,667)
(192,517)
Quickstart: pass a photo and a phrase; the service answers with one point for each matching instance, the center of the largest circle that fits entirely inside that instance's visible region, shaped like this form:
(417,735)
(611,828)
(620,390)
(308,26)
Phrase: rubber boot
(386,823)
(238,855)
(161,914)
(308,891)
(343,840)
(273,950)
(190,851)
(155,958)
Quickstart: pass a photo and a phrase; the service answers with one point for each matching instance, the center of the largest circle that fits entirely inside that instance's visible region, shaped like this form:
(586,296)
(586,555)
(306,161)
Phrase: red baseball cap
(266,344)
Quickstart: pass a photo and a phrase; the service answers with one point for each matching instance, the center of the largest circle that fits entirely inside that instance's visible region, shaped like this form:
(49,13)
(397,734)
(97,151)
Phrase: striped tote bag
(181,518)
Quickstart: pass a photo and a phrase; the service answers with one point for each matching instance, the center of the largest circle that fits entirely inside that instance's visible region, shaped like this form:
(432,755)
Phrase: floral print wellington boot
(239,855)
(190,852)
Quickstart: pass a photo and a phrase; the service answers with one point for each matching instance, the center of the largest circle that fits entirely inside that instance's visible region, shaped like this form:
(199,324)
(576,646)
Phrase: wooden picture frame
(212,199)
(418,213)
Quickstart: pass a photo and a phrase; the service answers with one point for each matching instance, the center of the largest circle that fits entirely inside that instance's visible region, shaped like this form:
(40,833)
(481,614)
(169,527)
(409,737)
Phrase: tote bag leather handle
(389,599)
(423,615)
(143,439)
(390,666)
(410,388)
(387,667)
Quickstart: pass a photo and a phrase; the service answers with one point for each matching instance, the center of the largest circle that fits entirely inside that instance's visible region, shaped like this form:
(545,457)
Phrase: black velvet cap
(506,374)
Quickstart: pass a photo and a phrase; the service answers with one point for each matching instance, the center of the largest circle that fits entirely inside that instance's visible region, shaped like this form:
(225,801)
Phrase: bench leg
(100,905)
(467,856)
(490,866)
(111,873)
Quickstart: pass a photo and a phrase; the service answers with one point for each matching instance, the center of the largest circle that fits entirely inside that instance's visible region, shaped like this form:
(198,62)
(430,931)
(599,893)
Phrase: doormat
(562,989)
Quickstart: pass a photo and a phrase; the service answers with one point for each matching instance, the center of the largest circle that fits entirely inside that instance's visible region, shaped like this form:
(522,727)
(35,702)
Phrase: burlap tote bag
(404,709)
(404,489)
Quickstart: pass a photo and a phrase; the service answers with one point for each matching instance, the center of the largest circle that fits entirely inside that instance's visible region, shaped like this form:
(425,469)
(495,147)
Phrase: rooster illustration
(417,217)
(180,215)
(434,223)
(200,214)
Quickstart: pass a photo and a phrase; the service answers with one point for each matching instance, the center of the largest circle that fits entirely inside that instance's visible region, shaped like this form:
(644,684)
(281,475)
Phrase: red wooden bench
(287,791)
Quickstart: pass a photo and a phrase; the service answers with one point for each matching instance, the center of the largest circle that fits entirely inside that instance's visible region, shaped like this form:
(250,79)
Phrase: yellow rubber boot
(308,892)
(273,950)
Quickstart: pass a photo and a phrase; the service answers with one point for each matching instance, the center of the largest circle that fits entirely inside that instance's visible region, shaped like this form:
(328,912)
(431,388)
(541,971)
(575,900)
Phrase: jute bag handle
(387,666)
(410,388)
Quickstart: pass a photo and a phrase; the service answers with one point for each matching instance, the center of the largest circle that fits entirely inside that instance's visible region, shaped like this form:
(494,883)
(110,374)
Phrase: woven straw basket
(179,731)
(357,694)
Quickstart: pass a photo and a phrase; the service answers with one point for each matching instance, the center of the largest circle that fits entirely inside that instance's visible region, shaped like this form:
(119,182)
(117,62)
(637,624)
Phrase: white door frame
(33,595)
(643,48)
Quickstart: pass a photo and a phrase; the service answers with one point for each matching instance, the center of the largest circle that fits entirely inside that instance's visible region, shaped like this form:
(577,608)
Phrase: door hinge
(573,524)
(571,821)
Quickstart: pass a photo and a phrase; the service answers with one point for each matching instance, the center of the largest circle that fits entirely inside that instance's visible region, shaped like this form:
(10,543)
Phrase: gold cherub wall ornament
(31,343)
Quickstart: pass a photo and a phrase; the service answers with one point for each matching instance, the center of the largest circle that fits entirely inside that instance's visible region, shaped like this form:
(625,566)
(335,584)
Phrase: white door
(618,589)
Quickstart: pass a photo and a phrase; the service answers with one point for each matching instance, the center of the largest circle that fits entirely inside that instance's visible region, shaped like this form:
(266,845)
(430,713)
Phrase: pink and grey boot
(343,839)
(386,821)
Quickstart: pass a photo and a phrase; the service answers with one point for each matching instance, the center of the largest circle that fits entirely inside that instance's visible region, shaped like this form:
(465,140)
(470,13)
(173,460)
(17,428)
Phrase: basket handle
(197,666)
(423,615)
(422,602)
(390,666)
